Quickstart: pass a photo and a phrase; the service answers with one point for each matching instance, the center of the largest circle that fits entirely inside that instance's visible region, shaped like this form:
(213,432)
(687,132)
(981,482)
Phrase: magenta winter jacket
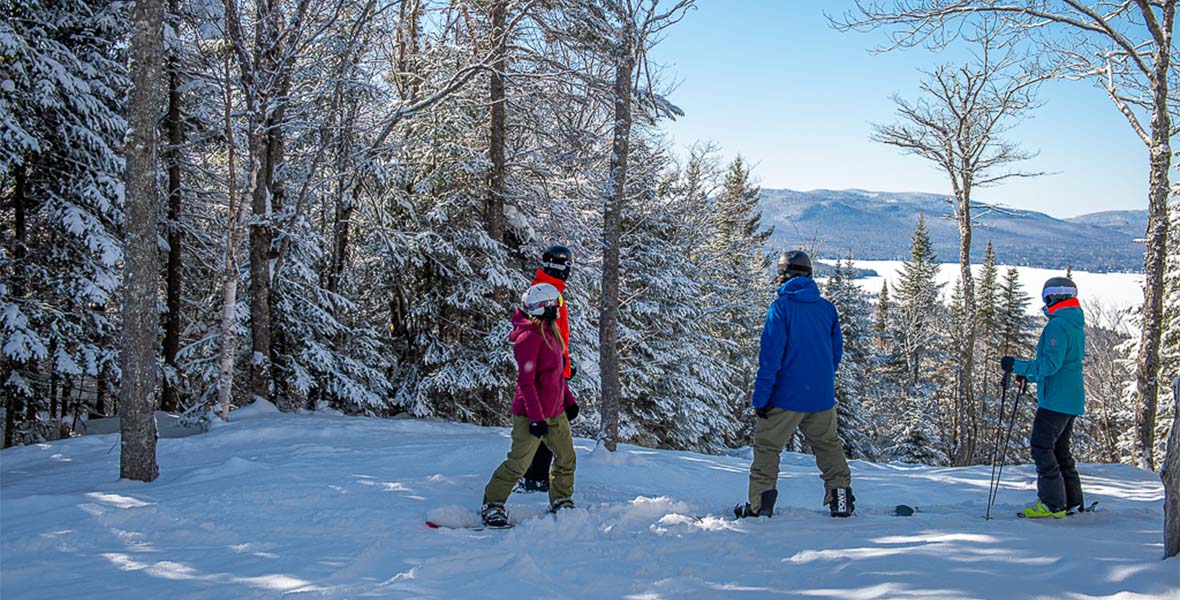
(541,391)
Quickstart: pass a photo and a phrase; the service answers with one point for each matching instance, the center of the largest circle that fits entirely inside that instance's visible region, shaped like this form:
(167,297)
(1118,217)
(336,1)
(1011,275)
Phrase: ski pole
(991,484)
(1023,385)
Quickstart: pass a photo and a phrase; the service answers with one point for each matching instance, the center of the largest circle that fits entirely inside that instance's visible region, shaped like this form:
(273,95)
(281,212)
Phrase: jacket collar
(1071,303)
(543,277)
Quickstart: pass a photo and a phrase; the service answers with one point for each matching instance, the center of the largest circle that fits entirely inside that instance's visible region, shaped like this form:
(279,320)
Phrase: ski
(1093,507)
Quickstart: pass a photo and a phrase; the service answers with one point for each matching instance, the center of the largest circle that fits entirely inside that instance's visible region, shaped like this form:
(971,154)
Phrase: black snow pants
(539,470)
(1058,485)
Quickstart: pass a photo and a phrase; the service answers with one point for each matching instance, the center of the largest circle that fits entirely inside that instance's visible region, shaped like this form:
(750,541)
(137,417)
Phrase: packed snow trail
(318,506)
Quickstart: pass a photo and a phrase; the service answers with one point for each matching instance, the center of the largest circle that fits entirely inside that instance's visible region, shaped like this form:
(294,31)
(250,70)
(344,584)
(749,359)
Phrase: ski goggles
(1057,291)
(559,265)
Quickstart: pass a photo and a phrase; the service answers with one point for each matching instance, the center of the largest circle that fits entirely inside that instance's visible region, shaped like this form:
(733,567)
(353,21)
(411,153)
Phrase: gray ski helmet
(795,263)
(541,301)
(1058,289)
(557,261)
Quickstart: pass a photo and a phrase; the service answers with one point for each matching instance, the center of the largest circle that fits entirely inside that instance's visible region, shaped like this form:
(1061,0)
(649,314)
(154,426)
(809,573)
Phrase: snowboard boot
(527,486)
(1040,510)
(842,502)
(766,510)
(494,515)
(561,504)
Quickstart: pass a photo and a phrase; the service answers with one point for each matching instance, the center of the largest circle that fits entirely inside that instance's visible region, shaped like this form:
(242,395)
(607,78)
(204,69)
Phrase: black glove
(539,428)
(571,412)
(761,412)
(1007,363)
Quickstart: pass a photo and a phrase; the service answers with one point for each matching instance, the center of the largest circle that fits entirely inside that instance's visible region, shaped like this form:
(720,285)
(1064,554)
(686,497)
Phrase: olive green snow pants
(561,478)
(773,433)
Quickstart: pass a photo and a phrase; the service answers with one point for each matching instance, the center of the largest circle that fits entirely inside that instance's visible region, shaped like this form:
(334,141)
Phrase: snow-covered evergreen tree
(1170,341)
(916,332)
(916,440)
(1018,334)
(61,128)
(675,377)
(915,309)
(740,289)
(857,378)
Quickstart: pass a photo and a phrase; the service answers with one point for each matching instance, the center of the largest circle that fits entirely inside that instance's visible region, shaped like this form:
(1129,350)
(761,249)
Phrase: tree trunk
(229,274)
(965,398)
(137,457)
(276,180)
(170,399)
(494,206)
(102,392)
(1171,477)
(267,44)
(608,324)
(52,388)
(19,250)
(1148,362)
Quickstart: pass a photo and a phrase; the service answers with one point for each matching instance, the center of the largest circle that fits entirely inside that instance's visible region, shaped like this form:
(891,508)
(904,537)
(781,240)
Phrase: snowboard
(433,525)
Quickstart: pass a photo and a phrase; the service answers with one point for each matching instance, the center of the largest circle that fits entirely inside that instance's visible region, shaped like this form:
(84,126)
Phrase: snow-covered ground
(1111,290)
(311,506)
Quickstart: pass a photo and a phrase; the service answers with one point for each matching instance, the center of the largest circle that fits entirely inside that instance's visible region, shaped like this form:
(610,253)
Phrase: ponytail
(552,329)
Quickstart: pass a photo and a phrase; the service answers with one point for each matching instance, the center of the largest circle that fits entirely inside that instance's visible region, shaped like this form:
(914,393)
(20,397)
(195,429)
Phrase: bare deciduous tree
(958,124)
(1127,49)
(625,30)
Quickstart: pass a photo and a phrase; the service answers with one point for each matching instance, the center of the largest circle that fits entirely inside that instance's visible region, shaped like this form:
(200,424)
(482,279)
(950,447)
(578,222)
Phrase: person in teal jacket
(1061,398)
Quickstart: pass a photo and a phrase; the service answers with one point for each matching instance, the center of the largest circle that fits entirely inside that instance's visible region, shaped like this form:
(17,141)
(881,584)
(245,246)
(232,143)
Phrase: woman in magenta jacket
(541,408)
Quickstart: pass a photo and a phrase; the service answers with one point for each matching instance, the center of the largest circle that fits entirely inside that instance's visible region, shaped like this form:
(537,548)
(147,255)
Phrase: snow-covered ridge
(320,506)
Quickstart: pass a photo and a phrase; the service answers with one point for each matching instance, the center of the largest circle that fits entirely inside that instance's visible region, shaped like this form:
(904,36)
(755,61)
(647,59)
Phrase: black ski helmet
(557,261)
(792,264)
(1058,289)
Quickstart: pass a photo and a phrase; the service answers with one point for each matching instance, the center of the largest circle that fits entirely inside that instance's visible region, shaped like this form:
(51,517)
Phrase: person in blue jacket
(1061,398)
(796,389)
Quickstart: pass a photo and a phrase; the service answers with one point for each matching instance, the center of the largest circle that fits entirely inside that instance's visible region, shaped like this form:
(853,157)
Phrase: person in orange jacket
(556,264)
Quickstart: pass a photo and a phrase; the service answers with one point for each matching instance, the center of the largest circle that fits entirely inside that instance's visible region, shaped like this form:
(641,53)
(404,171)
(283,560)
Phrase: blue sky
(769,79)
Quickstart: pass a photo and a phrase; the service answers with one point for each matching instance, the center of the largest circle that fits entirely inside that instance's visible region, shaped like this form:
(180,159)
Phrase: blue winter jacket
(801,348)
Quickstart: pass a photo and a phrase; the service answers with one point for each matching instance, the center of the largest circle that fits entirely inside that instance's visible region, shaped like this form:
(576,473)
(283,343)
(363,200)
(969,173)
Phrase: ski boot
(1040,510)
(841,502)
(494,515)
(765,510)
(561,504)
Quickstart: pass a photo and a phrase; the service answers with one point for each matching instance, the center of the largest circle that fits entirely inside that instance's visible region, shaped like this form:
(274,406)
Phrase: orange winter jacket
(563,316)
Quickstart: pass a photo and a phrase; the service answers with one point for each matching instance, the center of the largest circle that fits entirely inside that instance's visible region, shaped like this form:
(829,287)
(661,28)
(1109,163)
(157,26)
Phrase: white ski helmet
(540,299)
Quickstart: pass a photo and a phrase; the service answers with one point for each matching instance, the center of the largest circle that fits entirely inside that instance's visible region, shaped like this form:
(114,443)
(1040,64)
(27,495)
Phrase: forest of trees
(351,196)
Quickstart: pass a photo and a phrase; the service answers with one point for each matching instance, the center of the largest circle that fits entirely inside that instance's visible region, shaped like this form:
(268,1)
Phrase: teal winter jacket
(1057,369)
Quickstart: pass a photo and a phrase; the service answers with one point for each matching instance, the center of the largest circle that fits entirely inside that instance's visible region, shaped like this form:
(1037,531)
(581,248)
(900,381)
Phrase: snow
(322,506)
(1114,290)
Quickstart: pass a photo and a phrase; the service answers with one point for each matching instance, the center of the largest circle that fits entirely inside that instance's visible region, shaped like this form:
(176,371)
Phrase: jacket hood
(1071,316)
(520,324)
(800,289)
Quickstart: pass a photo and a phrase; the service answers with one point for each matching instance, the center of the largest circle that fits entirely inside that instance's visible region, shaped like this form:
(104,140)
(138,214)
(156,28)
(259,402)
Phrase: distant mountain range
(878,226)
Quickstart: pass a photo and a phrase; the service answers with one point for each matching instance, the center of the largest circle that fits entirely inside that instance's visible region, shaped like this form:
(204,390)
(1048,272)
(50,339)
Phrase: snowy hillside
(877,225)
(322,506)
